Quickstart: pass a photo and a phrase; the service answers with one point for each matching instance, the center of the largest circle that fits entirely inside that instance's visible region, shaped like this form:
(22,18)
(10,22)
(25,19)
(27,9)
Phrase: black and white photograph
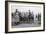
(25,16)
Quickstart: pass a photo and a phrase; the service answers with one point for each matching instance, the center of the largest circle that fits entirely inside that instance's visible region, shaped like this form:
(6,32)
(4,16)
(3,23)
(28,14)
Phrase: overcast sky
(33,9)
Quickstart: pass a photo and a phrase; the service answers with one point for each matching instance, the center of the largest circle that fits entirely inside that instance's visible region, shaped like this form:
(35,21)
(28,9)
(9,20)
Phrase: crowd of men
(17,16)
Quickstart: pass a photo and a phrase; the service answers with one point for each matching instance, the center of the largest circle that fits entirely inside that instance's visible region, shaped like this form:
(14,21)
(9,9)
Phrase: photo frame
(22,16)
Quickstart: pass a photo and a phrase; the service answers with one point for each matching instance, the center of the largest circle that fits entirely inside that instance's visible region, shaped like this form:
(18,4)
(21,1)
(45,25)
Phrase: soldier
(16,17)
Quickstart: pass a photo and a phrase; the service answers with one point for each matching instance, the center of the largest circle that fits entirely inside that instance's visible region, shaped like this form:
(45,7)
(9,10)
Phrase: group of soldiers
(23,18)
(17,16)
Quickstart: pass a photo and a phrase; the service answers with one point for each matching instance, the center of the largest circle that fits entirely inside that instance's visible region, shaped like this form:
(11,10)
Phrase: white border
(23,29)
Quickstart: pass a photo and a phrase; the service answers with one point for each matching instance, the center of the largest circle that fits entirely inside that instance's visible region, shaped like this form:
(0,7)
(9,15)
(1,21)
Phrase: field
(23,24)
